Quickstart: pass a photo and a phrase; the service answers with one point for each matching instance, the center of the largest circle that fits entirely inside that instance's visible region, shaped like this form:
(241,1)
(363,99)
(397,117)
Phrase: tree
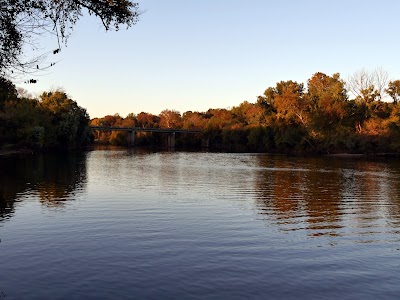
(129,121)
(70,120)
(22,21)
(22,122)
(147,120)
(374,82)
(218,118)
(290,102)
(170,119)
(248,113)
(193,120)
(267,100)
(394,90)
(328,96)
(7,91)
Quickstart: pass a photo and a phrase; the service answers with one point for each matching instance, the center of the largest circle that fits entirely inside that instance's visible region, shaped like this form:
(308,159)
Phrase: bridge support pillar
(131,138)
(171,140)
(205,143)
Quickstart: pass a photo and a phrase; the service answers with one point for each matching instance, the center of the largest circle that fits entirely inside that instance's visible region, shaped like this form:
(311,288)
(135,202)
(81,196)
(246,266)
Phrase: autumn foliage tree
(290,102)
(393,90)
(170,119)
(322,117)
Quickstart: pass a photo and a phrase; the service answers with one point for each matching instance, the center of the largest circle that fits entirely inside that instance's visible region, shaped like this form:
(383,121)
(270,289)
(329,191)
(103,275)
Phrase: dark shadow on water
(54,178)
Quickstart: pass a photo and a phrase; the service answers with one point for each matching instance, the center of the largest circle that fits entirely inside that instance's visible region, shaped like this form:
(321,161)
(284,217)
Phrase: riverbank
(10,151)
(4,152)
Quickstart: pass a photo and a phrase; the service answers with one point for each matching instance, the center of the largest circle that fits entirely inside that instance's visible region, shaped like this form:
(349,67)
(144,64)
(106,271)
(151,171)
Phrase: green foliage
(261,139)
(7,91)
(235,139)
(55,121)
(327,96)
(290,138)
(18,118)
(70,119)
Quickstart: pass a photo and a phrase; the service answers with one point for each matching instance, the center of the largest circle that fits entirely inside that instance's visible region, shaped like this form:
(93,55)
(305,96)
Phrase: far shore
(5,152)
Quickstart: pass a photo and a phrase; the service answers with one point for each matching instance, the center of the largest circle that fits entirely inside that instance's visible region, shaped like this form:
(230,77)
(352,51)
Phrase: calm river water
(117,224)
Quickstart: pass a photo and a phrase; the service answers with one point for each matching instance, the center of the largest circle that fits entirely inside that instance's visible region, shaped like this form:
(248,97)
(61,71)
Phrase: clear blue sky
(195,55)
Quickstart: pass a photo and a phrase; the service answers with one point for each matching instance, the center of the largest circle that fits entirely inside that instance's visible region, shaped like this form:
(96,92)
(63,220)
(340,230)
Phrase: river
(139,224)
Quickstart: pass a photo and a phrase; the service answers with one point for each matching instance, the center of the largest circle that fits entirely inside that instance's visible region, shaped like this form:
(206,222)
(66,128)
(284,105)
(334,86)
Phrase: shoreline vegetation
(289,118)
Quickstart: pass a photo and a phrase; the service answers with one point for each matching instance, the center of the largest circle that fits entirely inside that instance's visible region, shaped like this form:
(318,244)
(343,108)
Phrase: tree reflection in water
(54,178)
(325,195)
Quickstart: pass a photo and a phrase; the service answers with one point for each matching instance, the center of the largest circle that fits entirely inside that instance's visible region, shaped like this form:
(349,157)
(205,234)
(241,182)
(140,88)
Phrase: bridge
(132,131)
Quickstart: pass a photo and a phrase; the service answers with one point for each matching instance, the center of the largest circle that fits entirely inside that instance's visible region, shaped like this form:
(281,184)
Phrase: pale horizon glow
(196,55)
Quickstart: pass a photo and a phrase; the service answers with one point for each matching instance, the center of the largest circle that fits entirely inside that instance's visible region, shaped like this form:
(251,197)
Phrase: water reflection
(177,225)
(53,178)
(327,196)
(320,196)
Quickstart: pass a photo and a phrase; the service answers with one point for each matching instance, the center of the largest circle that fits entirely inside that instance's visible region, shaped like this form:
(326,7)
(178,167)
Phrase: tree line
(327,115)
(51,121)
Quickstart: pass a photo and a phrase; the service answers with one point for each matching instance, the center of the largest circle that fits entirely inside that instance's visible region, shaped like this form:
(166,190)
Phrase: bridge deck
(143,129)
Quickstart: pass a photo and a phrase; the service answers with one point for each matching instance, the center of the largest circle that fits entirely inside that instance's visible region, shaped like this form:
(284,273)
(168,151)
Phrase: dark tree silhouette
(22,21)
